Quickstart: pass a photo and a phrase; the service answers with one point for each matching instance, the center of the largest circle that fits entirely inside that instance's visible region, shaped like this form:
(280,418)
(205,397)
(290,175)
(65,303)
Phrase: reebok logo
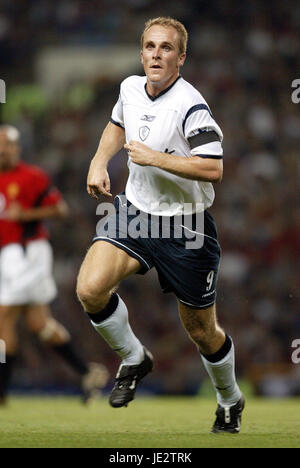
(148,118)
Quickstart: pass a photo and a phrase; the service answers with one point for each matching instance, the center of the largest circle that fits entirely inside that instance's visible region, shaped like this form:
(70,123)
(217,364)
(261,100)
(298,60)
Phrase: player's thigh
(37,316)
(104,266)
(8,317)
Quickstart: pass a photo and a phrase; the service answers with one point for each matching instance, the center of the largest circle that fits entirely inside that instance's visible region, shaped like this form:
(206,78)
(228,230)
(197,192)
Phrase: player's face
(9,152)
(160,56)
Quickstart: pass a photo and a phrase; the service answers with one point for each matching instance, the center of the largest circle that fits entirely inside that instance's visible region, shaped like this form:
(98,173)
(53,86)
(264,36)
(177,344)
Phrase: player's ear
(142,60)
(181,59)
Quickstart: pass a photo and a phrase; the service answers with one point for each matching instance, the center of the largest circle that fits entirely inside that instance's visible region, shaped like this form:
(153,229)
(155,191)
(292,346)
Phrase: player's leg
(202,327)
(217,353)
(8,320)
(11,300)
(39,321)
(41,290)
(104,267)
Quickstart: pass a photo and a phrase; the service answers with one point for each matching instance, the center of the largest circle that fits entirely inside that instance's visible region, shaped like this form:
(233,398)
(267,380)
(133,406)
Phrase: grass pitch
(146,423)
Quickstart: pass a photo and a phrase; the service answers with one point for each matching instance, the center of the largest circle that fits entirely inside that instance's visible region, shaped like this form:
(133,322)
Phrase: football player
(27,287)
(175,155)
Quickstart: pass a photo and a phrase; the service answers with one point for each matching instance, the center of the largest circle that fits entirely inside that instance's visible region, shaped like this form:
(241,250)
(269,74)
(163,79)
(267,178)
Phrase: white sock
(118,334)
(222,374)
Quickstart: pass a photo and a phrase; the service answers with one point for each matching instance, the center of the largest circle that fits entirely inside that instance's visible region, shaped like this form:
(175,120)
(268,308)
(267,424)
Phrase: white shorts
(26,274)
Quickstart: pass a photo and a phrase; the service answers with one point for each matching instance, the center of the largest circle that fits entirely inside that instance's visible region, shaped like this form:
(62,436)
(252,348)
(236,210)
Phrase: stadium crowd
(243,57)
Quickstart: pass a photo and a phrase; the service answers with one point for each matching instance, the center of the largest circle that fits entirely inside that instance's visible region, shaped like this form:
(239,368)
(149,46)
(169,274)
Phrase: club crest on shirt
(13,190)
(144,132)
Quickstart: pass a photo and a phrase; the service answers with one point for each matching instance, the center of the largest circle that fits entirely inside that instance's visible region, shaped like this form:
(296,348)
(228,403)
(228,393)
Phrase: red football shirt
(30,187)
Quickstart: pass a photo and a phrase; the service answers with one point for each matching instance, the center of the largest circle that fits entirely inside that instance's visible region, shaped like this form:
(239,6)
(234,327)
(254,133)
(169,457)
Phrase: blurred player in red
(27,198)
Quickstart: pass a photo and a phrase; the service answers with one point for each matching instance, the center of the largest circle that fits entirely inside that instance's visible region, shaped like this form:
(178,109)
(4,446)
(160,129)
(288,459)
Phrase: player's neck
(156,88)
(9,167)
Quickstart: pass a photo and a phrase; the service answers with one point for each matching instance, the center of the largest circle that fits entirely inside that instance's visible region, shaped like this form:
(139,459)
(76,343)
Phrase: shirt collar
(153,98)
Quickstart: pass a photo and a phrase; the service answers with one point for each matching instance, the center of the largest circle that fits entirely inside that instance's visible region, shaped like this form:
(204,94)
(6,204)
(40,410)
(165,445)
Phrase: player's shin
(56,336)
(113,325)
(221,369)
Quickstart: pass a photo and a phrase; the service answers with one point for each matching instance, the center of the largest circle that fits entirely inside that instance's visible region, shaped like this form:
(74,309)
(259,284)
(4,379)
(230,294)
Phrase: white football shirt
(177,121)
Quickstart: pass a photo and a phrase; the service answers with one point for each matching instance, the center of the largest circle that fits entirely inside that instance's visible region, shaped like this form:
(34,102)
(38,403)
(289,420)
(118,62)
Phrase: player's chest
(156,127)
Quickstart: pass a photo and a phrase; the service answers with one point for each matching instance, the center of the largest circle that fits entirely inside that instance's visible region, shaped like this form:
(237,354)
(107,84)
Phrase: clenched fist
(140,154)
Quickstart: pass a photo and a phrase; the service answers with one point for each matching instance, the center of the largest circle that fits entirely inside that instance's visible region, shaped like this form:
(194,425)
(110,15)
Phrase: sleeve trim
(195,109)
(209,156)
(116,123)
(42,196)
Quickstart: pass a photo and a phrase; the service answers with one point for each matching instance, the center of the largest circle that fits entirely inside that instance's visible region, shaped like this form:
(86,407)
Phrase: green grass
(147,422)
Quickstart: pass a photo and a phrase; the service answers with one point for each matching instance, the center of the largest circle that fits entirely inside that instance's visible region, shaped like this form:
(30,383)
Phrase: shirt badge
(144,132)
(13,190)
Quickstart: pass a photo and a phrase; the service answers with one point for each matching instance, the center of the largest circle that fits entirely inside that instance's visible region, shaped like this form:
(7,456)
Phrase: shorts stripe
(200,233)
(196,306)
(119,244)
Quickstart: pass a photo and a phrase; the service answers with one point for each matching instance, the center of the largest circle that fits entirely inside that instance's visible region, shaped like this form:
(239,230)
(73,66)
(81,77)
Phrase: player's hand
(98,182)
(139,153)
(14,213)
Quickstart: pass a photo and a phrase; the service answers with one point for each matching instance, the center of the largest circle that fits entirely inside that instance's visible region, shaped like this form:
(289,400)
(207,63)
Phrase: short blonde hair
(168,22)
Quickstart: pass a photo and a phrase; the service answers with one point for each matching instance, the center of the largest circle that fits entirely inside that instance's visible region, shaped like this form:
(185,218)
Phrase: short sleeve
(202,132)
(117,114)
(45,193)
(52,197)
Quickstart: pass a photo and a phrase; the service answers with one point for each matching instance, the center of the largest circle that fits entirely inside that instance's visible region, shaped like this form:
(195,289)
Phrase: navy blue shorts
(184,250)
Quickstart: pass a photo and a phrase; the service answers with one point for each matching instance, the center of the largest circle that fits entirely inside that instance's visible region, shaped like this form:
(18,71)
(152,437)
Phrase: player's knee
(92,294)
(35,323)
(51,332)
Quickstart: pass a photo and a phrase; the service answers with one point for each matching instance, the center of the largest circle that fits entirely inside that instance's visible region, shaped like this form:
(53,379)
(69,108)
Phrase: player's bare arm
(112,140)
(19,214)
(194,167)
